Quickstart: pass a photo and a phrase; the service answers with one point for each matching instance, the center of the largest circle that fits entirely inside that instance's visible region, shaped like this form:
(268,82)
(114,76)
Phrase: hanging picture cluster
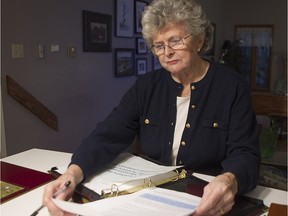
(97,35)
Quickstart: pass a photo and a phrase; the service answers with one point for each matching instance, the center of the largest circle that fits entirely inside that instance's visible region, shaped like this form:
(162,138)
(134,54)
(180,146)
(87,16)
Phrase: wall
(2,132)
(81,91)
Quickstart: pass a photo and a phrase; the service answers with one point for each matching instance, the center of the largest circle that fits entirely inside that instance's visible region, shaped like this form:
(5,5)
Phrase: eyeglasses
(174,44)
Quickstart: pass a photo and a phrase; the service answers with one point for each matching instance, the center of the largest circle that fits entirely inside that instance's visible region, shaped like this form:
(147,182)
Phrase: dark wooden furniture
(269,104)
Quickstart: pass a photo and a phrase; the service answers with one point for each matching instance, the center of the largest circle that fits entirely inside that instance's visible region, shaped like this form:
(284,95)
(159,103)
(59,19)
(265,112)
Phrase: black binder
(244,205)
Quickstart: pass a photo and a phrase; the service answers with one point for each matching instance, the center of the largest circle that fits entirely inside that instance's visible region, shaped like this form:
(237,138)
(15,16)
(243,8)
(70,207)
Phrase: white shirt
(182,112)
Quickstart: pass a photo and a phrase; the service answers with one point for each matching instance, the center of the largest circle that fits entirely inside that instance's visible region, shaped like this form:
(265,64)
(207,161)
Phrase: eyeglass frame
(164,45)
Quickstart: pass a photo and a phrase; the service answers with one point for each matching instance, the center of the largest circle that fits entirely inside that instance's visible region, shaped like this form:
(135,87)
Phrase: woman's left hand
(218,196)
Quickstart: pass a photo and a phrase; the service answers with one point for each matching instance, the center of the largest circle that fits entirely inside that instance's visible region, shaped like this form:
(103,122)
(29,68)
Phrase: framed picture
(97,32)
(141,66)
(139,8)
(141,47)
(156,63)
(124,22)
(124,64)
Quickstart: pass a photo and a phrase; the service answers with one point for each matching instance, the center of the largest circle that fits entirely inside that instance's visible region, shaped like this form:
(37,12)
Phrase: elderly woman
(193,112)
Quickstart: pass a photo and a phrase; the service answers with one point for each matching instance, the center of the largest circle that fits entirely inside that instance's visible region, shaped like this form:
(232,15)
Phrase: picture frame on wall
(97,32)
(139,8)
(141,66)
(124,62)
(141,47)
(124,22)
(156,64)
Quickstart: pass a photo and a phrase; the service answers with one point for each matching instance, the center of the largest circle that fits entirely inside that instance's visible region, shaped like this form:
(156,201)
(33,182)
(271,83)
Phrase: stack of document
(151,201)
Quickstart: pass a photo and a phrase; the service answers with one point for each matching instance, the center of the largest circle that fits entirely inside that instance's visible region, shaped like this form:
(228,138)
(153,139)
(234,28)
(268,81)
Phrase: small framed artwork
(97,32)
(156,63)
(124,64)
(141,47)
(141,66)
(139,8)
(124,23)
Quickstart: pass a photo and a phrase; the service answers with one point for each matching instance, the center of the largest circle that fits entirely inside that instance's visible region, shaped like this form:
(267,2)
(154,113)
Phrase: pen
(61,190)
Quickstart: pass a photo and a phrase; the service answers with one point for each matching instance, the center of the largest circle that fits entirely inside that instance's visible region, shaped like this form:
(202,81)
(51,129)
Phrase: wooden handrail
(31,103)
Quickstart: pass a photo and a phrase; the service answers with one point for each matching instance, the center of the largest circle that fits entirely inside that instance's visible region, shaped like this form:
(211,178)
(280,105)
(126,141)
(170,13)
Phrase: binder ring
(149,182)
(176,177)
(114,190)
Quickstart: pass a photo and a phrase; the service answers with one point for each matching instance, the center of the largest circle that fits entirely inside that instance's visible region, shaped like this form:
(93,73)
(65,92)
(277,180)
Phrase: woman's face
(180,60)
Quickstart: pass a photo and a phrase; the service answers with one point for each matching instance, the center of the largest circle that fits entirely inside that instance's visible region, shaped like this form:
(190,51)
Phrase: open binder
(179,179)
(115,190)
(125,175)
(135,186)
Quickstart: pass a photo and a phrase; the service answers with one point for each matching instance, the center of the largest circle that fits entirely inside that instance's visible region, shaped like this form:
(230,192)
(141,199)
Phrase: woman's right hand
(73,174)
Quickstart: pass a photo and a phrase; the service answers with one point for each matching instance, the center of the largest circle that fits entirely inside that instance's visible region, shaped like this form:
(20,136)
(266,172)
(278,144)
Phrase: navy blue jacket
(220,134)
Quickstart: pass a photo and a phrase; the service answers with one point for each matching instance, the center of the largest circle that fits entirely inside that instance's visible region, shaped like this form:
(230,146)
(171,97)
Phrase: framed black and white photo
(124,62)
(97,32)
(141,47)
(124,23)
(141,66)
(139,8)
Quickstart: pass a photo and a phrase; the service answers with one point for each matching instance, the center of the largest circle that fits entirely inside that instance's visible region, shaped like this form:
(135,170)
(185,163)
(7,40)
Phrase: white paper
(150,201)
(123,169)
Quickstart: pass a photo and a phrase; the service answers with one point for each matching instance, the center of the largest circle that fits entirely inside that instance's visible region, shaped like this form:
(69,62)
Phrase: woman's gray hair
(159,13)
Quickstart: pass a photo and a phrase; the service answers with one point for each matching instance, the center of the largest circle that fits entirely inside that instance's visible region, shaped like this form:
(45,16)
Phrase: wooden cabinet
(269,104)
